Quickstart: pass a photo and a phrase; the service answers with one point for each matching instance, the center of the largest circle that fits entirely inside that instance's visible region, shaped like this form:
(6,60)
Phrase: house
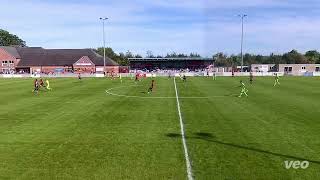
(37,59)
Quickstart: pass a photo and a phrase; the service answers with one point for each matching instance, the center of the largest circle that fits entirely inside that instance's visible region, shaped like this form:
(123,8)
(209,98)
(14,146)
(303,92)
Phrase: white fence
(70,75)
(132,75)
(316,73)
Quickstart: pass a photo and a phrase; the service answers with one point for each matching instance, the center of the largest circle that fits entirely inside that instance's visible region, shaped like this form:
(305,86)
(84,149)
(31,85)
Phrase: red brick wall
(110,69)
(47,69)
(84,69)
(5,56)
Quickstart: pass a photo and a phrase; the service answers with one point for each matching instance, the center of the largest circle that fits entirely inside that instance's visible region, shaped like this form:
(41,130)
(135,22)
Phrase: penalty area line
(188,164)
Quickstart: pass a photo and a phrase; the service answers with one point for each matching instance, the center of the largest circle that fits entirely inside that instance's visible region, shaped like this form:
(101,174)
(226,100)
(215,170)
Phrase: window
(303,67)
(288,69)
(4,63)
(5,70)
(317,69)
(8,63)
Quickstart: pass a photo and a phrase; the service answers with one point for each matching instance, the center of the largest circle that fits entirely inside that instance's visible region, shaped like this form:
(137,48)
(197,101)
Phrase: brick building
(37,59)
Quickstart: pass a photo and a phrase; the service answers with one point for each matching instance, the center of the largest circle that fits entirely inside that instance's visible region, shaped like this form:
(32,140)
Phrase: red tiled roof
(36,56)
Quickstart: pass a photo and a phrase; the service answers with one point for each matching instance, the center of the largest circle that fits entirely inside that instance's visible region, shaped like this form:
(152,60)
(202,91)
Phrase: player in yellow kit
(48,85)
(244,90)
(276,80)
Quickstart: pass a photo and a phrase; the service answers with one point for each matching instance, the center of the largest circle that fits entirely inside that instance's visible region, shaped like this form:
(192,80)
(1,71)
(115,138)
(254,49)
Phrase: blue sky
(202,26)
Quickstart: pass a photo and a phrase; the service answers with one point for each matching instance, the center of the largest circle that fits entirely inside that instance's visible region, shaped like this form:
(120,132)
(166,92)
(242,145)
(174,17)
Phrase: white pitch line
(189,169)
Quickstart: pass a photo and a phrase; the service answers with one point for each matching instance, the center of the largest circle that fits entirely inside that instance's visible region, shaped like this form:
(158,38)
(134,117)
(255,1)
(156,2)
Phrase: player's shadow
(231,95)
(209,137)
(197,135)
(204,135)
(173,135)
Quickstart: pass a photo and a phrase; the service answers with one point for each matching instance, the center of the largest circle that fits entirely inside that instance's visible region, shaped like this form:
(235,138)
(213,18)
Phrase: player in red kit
(36,86)
(41,83)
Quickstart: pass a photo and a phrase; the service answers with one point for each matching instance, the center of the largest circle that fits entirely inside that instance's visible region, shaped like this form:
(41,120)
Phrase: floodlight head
(103,18)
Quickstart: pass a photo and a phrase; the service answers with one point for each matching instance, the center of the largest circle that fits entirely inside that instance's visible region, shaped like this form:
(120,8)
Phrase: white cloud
(270,35)
(133,26)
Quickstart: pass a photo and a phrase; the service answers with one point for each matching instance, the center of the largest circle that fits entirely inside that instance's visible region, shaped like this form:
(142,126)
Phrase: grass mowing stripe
(189,169)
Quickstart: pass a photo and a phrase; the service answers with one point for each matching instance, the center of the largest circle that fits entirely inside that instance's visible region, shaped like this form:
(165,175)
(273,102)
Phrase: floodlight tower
(242,16)
(103,19)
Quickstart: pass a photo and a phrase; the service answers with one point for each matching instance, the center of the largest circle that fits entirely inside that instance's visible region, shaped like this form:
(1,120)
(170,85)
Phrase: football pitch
(99,128)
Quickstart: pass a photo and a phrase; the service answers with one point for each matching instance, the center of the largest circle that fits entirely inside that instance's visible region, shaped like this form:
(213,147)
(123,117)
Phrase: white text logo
(296,164)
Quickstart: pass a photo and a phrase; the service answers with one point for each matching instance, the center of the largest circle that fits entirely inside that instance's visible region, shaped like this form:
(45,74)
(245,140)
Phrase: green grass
(78,131)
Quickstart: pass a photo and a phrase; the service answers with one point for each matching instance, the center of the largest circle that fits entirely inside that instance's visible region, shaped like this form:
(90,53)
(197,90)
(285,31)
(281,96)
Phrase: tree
(7,39)
(121,59)
(259,59)
(138,56)
(221,60)
(129,54)
(234,60)
(109,52)
(149,54)
(194,55)
(313,56)
(274,59)
(294,57)
(171,55)
(181,55)
(249,59)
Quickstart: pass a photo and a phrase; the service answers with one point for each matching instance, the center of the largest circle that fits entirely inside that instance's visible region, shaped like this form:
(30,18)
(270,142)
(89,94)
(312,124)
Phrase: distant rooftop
(37,56)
